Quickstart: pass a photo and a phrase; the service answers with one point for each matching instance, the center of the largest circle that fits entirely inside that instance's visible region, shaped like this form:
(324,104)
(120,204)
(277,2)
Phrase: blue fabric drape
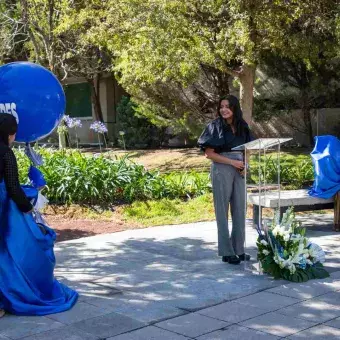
(326,161)
(27,283)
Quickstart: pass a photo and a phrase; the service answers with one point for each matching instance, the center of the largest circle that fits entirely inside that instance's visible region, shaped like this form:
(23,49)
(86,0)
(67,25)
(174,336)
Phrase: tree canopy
(175,57)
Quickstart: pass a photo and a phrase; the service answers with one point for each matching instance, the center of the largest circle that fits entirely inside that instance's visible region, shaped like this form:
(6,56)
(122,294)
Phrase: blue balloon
(34,96)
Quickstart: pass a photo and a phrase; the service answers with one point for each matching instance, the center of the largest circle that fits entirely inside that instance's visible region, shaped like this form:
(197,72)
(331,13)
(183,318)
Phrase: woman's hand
(237,164)
(215,157)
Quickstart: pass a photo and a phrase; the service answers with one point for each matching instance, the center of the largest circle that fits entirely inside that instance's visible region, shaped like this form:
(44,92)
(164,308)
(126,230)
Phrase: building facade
(79,105)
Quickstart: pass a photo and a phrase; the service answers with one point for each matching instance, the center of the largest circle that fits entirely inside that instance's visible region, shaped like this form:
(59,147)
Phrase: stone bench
(297,198)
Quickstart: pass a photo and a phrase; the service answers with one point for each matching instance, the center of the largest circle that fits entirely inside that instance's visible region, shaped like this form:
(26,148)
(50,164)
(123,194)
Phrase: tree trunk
(308,122)
(247,80)
(96,99)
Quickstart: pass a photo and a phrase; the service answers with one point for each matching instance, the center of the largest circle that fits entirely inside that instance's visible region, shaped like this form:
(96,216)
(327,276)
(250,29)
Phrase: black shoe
(244,257)
(231,259)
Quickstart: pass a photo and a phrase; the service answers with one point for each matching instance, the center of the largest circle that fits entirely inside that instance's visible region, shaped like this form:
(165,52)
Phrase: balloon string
(33,156)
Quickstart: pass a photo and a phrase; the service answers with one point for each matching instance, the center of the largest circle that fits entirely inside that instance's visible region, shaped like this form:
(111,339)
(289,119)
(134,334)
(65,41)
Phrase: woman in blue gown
(27,283)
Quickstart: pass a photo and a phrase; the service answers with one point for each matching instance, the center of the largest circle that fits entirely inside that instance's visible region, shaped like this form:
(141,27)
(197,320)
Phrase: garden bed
(114,191)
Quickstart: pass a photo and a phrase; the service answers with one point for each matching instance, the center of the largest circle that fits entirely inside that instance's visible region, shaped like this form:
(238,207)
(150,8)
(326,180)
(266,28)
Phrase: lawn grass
(165,211)
(168,160)
(151,213)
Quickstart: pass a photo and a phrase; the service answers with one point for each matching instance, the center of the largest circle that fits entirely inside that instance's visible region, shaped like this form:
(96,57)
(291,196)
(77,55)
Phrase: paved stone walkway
(167,283)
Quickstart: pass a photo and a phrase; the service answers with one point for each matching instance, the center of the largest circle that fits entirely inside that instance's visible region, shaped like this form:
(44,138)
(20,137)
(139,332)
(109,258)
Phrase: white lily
(264,242)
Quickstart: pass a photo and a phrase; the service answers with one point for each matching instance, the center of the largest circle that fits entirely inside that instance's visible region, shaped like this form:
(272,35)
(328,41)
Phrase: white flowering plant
(98,127)
(285,252)
(101,129)
(72,122)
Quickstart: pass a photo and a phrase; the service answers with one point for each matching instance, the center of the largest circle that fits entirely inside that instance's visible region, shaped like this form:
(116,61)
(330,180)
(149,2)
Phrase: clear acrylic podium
(261,147)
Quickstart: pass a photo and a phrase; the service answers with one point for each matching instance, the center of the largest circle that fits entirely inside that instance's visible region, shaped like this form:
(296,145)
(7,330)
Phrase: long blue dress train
(27,283)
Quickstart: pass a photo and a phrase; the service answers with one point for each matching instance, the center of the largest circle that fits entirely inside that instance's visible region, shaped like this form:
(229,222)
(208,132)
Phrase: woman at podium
(227,131)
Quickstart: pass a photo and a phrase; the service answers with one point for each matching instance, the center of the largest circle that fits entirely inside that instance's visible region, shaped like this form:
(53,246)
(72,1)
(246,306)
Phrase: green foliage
(11,32)
(301,87)
(137,131)
(73,177)
(162,49)
(187,184)
(293,175)
(166,211)
(173,56)
(301,275)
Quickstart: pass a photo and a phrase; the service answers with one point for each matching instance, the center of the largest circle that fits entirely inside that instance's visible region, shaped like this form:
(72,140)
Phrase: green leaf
(319,272)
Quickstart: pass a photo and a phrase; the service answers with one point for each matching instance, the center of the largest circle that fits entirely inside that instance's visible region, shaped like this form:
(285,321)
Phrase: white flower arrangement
(285,252)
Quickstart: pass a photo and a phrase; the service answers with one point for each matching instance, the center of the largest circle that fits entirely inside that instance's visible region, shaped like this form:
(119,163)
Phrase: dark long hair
(238,122)
(8,126)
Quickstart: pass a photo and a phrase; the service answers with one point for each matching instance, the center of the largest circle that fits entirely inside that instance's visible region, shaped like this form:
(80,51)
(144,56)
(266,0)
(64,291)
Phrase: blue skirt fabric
(27,283)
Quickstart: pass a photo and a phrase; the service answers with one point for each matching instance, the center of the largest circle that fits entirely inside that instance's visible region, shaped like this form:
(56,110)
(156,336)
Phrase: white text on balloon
(10,108)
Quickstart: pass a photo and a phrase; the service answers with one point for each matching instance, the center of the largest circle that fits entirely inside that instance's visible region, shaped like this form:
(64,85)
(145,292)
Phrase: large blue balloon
(34,96)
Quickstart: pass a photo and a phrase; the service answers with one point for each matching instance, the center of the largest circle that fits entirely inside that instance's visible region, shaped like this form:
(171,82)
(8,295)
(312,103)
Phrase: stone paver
(332,298)
(335,275)
(63,333)
(331,283)
(149,333)
(267,301)
(192,325)
(302,291)
(278,324)
(312,310)
(237,332)
(232,312)
(81,311)
(334,323)
(2,337)
(320,332)
(108,325)
(16,327)
(171,277)
(137,307)
(88,289)
(192,294)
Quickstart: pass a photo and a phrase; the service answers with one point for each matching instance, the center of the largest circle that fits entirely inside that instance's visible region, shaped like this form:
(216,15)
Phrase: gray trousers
(229,188)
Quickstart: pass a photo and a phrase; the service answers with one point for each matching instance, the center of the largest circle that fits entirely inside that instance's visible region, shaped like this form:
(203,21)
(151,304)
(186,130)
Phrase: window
(78,100)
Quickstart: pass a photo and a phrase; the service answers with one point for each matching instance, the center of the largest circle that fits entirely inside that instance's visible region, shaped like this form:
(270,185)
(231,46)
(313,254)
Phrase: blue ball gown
(27,283)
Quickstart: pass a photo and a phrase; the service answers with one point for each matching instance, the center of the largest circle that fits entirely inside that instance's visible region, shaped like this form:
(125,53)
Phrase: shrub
(73,177)
(293,175)
(138,131)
